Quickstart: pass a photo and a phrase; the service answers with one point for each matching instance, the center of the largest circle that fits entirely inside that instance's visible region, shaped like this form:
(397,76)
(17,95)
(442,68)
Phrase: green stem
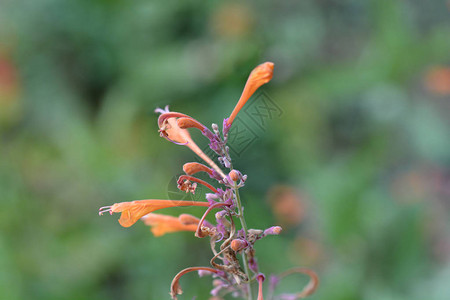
(244,227)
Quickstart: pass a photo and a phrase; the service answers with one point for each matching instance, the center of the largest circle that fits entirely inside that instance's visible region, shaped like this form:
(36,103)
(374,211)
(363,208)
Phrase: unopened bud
(220,214)
(234,175)
(221,218)
(193,167)
(255,231)
(238,244)
(259,76)
(274,230)
(202,273)
(211,198)
(217,282)
(226,162)
(215,128)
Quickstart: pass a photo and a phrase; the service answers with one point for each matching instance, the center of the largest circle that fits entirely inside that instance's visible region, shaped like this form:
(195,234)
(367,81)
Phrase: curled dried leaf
(312,285)
(175,288)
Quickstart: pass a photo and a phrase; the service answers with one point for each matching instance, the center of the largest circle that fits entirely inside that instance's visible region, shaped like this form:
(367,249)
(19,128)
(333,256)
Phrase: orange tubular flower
(134,210)
(259,76)
(162,224)
(260,278)
(169,129)
(187,219)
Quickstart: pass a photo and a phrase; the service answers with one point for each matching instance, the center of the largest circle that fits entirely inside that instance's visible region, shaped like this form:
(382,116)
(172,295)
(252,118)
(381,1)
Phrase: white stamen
(104,209)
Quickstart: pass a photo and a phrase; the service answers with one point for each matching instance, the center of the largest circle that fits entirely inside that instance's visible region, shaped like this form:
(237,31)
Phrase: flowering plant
(226,239)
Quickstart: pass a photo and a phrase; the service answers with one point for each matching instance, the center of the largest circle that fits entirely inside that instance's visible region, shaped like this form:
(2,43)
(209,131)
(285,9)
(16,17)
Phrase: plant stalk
(244,227)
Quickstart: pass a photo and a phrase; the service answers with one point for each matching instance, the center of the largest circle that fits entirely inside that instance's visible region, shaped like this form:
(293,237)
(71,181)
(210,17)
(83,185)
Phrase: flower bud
(221,214)
(221,219)
(260,75)
(215,128)
(202,273)
(274,230)
(226,162)
(192,168)
(211,198)
(238,244)
(234,175)
(255,231)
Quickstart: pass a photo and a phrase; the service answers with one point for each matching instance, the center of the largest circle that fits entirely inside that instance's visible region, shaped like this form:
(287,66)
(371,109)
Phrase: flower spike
(134,210)
(259,76)
(230,274)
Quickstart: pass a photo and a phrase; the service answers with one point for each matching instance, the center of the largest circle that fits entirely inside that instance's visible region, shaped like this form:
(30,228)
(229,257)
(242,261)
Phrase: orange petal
(188,219)
(134,210)
(169,114)
(189,123)
(173,132)
(162,224)
(260,75)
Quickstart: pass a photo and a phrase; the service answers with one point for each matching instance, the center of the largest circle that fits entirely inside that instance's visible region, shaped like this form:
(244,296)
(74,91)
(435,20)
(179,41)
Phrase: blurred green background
(356,167)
